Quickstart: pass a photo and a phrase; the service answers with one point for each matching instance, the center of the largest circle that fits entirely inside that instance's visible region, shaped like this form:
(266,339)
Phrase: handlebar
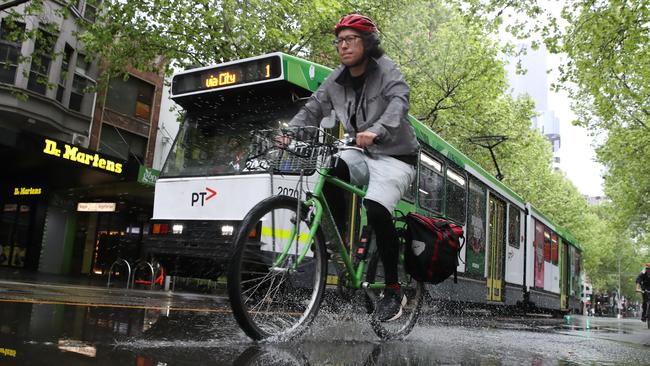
(296,149)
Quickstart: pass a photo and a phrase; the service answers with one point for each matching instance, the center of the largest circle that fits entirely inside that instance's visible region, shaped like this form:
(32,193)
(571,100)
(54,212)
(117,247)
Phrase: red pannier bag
(432,248)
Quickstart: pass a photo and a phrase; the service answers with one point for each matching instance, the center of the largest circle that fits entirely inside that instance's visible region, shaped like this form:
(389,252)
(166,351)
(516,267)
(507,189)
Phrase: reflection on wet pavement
(47,334)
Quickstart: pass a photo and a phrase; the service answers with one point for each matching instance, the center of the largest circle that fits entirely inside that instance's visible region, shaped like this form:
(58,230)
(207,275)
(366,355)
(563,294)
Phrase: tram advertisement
(476,229)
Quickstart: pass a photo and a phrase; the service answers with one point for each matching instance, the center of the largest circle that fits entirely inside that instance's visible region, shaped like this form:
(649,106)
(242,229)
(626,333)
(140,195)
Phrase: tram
(514,255)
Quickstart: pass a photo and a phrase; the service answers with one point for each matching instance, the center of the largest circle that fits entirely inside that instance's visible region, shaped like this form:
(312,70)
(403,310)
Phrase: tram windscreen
(215,142)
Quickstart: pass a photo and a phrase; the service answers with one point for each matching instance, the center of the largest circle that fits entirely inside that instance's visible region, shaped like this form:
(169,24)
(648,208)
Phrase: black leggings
(379,218)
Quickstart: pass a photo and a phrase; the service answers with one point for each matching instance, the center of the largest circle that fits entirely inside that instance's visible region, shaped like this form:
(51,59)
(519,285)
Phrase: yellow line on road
(71,303)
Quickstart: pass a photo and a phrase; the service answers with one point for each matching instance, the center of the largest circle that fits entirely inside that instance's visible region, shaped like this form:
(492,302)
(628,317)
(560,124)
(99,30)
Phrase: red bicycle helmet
(356,21)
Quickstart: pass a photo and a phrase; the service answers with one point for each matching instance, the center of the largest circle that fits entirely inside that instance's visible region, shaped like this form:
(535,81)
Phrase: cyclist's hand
(365,138)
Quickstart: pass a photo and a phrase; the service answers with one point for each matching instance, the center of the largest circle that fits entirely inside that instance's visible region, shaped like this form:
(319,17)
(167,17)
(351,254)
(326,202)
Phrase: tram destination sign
(246,72)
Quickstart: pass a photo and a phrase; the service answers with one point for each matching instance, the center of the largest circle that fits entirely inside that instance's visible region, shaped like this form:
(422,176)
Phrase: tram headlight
(227,230)
(177,229)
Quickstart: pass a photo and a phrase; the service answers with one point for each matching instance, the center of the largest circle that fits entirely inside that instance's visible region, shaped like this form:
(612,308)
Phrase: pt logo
(200,197)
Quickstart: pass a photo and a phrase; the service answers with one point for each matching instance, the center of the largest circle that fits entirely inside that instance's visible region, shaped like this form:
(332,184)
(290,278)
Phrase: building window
(133,97)
(41,61)
(431,184)
(65,66)
(10,43)
(78,92)
(82,65)
(456,197)
(121,143)
(90,13)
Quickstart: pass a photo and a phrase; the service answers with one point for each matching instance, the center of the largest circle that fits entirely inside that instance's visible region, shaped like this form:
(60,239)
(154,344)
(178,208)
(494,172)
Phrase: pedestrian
(643,285)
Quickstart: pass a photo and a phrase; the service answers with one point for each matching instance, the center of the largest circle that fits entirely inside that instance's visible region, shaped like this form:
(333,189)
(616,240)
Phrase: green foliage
(607,44)
(190,33)
(459,88)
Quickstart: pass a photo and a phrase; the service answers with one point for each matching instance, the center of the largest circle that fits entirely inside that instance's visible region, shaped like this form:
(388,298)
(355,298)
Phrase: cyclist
(642,285)
(371,99)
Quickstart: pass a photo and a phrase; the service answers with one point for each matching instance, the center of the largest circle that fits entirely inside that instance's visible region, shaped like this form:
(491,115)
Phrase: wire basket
(293,150)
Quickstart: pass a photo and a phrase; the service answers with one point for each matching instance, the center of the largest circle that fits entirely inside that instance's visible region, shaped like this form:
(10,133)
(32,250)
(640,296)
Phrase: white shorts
(388,178)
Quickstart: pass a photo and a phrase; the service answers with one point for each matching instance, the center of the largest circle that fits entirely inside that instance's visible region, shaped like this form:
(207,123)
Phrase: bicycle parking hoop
(293,150)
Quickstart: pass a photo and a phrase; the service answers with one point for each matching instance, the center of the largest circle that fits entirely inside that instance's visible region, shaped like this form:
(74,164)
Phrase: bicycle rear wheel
(414,291)
(268,297)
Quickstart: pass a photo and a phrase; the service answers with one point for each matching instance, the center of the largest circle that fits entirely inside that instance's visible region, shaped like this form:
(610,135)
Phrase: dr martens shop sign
(74,154)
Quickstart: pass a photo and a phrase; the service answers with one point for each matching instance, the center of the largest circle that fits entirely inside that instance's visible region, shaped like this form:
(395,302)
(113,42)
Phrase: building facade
(76,186)
(534,83)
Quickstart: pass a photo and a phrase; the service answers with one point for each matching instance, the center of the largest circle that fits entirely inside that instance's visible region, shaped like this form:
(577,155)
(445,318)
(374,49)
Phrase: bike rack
(140,264)
(128,267)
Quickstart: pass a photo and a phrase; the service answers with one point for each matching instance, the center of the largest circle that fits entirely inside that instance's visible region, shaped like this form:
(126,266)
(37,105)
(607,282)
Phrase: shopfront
(17,219)
(66,209)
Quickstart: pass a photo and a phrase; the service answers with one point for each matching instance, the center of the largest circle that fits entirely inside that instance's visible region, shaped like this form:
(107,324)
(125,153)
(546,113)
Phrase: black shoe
(643,319)
(389,307)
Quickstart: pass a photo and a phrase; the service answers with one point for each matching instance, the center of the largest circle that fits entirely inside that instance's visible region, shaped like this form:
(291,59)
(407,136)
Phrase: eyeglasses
(348,40)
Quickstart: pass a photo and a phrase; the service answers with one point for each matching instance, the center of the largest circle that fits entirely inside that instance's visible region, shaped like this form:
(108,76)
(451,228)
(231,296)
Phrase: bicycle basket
(290,150)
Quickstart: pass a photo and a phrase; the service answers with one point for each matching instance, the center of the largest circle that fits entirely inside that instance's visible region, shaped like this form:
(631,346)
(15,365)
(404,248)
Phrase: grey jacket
(383,107)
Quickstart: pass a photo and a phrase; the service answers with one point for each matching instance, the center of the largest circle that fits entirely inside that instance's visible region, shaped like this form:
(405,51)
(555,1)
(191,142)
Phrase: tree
(190,33)
(608,44)
(608,78)
(459,88)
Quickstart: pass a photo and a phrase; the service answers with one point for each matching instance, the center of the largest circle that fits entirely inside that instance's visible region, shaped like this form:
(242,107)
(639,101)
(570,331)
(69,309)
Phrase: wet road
(75,325)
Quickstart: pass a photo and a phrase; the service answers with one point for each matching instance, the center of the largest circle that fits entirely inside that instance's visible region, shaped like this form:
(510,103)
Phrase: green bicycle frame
(318,202)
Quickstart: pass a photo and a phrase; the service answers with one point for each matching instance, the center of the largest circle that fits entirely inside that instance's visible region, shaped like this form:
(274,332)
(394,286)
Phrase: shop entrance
(117,237)
(15,228)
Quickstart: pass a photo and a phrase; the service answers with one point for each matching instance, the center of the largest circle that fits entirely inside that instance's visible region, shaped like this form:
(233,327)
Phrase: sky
(577,155)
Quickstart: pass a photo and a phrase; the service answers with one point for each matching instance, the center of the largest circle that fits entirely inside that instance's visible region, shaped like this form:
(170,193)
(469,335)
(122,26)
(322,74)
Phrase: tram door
(564,275)
(496,249)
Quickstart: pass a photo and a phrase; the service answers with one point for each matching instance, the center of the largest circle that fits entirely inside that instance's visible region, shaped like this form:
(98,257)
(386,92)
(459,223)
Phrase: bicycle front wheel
(272,292)
(414,291)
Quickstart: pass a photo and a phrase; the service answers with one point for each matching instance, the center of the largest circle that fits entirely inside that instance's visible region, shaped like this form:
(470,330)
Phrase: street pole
(619,287)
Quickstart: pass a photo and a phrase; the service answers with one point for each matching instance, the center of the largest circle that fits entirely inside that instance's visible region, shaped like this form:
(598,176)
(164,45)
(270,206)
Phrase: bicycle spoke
(279,299)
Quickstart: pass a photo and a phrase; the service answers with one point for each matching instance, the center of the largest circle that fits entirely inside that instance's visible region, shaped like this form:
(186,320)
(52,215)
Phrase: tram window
(576,269)
(431,184)
(410,193)
(547,246)
(456,196)
(215,142)
(554,250)
(514,226)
